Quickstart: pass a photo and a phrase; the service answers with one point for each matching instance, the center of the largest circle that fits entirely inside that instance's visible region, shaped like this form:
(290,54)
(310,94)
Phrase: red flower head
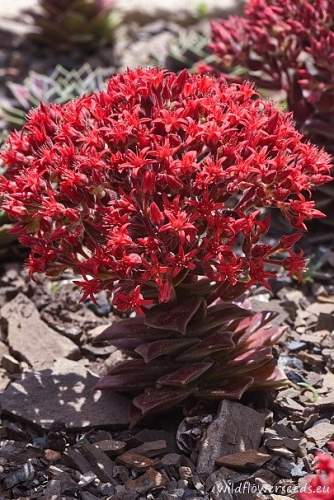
(157,183)
(321,486)
(286,45)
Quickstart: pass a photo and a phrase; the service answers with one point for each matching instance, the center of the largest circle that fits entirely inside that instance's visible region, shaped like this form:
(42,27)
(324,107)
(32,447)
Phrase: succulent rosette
(157,190)
(86,24)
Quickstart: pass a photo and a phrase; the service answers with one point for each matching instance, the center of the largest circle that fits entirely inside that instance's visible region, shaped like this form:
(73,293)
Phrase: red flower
(321,486)
(157,183)
(285,45)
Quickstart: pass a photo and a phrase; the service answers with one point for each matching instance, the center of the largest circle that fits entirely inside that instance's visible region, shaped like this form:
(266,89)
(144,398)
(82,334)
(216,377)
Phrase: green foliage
(59,87)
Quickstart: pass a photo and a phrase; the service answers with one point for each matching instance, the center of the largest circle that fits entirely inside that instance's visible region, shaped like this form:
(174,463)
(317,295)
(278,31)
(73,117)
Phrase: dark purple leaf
(184,375)
(126,328)
(221,314)
(173,317)
(249,358)
(270,376)
(213,343)
(135,379)
(235,390)
(159,348)
(156,400)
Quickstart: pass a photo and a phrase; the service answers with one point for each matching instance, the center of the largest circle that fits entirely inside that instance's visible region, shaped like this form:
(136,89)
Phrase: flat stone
(101,464)
(52,455)
(24,473)
(236,428)
(150,480)
(93,333)
(64,394)
(320,433)
(111,446)
(10,364)
(244,460)
(136,461)
(3,350)
(151,448)
(4,380)
(173,459)
(31,339)
(77,460)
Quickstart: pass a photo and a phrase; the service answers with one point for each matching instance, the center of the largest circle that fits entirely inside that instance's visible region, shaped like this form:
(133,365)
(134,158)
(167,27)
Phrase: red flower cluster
(321,486)
(158,181)
(289,45)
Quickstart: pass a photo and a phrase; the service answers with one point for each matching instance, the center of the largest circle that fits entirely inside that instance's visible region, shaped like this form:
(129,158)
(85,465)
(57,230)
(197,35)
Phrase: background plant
(155,191)
(286,45)
(287,49)
(59,87)
(83,23)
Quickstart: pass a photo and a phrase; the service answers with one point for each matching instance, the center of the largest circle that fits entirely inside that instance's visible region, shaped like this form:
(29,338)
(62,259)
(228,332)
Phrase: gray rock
(236,428)
(24,473)
(10,364)
(182,11)
(3,350)
(4,380)
(64,394)
(31,339)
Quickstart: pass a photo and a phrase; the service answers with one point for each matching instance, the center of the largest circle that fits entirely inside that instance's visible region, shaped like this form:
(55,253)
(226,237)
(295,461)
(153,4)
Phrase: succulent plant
(286,45)
(154,191)
(191,350)
(60,86)
(83,23)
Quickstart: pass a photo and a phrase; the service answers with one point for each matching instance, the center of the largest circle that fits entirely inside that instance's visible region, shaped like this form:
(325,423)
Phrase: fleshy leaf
(129,327)
(156,400)
(184,375)
(263,337)
(235,390)
(159,348)
(128,333)
(209,345)
(250,358)
(219,315)
(133,380)
(270,376)
(174,317)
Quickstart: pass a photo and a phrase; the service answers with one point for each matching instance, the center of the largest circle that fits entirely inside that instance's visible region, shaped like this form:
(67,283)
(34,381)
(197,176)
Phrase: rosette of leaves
(83,23)
(59,87)
(189,350)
